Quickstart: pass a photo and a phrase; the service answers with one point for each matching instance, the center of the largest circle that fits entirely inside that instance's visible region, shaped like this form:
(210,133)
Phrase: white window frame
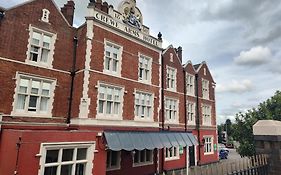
(208,145)
(45,15)
(191,112)
(149,69)
(67,145)
(145,118)
(119,58)
(168,102)
(49,63)
(112,116)
(207,114)
(37,113)
(116,167)
(137,164)
(205,89)
(190,84)
(169,73)
(174,156)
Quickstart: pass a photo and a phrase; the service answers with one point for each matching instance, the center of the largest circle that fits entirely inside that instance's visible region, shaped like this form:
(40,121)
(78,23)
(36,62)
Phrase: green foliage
(243,127)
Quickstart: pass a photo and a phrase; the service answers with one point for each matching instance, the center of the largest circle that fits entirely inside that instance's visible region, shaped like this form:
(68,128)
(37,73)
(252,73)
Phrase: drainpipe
(162,108)
(18,144)
(72,74)
(198,117)
(184,99)
(185,119)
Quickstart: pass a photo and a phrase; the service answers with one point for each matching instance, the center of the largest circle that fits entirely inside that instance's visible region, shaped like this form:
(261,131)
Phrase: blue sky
(239,40)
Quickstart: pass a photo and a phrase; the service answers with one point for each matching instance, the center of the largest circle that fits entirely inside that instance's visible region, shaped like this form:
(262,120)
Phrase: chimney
(68,11)
(179,52)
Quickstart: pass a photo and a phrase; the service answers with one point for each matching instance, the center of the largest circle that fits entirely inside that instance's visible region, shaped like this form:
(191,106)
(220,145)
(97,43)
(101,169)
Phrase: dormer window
(45,15)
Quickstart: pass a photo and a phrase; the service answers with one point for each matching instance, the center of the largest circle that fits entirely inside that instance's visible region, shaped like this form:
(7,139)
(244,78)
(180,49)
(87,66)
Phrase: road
(233,155)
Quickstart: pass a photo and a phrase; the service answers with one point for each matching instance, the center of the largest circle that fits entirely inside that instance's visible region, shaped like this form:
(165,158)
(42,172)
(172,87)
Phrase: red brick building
(103,98)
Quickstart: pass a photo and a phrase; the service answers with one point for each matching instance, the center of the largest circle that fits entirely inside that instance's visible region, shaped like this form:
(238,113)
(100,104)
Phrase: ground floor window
(113,160)
(172,153)
(143,157)
(66,159)
(208,145)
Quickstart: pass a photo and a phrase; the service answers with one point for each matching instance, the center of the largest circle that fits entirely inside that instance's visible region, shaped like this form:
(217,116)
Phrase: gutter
(72,74)
(197,116)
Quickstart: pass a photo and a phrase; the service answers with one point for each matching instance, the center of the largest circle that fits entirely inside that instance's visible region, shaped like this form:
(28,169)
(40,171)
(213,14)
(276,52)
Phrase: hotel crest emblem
(131,14)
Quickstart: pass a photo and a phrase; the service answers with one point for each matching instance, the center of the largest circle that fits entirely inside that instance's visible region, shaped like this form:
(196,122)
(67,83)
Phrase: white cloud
(235,86)
(255,56)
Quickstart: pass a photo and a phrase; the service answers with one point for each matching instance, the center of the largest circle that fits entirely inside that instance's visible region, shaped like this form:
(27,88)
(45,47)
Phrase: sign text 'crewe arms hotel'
(133,31)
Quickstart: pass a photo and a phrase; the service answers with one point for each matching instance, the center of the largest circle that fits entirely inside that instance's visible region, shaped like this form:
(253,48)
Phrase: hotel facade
(104,98)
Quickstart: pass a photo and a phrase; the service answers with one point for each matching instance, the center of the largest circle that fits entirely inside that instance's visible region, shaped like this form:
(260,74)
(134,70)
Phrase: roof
(267,127)
(196,66)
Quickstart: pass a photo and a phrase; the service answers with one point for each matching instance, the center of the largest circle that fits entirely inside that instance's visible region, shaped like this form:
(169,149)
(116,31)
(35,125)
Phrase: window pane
(52,156)
(142,156)
(81,154)
(46,89)
(44,104)
(136,157)
(66,170)
(32,103)
(114,158)
(35,87)
(23,85)
(107,63)
(50,170)
(67,155)
(80,169)
(21,101)
(148,155)
(101,106)
(45,55)
(46,41)
(116,108)
(36,37)
(108,107)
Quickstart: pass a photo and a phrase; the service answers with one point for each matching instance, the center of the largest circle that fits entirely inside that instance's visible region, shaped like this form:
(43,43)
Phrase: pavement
(233,155)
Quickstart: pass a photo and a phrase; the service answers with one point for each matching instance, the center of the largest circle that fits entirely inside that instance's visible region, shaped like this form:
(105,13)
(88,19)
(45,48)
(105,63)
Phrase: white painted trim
(127,79)
(34,123)
(137,118)
(60,145)
(25,113)
(128,37)
(118,167)
(212,144)
(176,72)
(120,56)
(144,163)
(176,121)
(1,122)
(120,123)
(150,68)
(49,63)
(86,100)
(111,116)
(32,65)
(177,157)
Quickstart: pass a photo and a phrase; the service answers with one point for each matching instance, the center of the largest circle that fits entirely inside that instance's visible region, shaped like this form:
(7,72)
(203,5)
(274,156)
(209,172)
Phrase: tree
(243,127)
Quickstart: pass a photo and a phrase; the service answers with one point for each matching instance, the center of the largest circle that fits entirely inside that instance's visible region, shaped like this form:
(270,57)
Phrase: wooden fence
(256,165)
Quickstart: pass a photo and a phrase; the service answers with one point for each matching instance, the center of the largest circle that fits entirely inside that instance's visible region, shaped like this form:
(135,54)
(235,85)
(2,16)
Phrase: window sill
(115,74)
(172,122)
(36,64)
(171,90)
(207,154)
(138,119)
(30,114)
(108,117)
(172,158)
(144,82)
(142,164)
(113,168)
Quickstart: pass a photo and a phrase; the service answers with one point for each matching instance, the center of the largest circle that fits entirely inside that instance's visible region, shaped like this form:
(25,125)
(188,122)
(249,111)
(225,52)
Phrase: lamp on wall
(202,142)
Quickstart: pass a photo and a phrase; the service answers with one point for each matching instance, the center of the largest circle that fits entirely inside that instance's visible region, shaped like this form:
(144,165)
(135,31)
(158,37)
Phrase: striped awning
(117,140)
